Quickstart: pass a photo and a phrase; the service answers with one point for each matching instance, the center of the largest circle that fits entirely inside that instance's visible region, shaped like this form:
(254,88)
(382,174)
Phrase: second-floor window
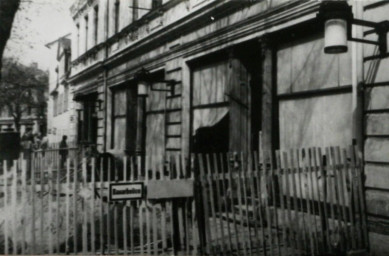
(156,3)
(134,10)
(117,13)
(96,24)
(78,39)
(55,105)
(66,98)
(86,33)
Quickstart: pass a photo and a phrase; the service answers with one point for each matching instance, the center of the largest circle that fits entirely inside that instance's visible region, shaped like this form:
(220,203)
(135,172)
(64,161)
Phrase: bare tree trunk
(8,9)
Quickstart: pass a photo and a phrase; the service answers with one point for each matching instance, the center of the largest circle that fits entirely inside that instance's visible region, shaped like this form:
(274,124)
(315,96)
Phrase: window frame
(117,116)
(96,24)
(116,16)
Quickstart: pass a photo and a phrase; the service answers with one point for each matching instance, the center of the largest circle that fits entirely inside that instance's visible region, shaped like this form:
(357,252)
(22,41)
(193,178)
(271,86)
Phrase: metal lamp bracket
(169,83)
(379,28)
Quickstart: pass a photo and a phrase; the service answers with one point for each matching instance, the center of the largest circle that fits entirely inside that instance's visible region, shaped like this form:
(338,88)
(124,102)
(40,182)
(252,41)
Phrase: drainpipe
(105,71)
(357,82)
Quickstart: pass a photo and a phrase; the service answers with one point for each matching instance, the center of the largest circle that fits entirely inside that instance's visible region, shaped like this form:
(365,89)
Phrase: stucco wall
(376,96)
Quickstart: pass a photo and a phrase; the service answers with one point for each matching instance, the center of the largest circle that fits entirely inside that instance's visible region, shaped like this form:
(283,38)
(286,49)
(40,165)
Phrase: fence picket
(180,209)
(67,202)
(50,204)
(274,203)
(84,211)
(204,185)
(257,183)
(359,169)
(225,201)
(209,177)
(280,174)
(195,233)
(108,208)
(75,181)
(125,208)
(33,195)
(355,194)
(341,199)
(308,232)
(148,219)
(243,174)
(13,203)
(337,206)
(311,201)
(288,177)
(24,202)
(140,208)
(57,216)
(349,213)
(115,213)
(101,212)
(331,193)
(41,193)
(294,172)
(92,202)
(219,202)
(325,222)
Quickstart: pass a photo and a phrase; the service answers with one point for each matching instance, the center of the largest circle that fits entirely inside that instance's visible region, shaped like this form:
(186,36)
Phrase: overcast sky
(37,23)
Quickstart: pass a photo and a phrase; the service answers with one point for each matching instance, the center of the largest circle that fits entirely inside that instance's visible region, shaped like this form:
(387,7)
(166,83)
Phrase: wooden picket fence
(69,211)
(304,202)
(300,202)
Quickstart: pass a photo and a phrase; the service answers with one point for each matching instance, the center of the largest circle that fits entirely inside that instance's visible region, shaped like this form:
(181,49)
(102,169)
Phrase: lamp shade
(335,36)
(142,88)
(336,17)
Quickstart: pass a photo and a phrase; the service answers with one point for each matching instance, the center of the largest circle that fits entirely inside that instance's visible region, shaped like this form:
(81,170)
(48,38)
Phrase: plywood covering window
(314,95)
(119,119)
(210,107)
(222,103)
(155,124)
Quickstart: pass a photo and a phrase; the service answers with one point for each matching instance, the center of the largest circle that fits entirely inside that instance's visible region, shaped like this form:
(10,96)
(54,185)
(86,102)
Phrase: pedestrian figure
(63,151)
(26,142)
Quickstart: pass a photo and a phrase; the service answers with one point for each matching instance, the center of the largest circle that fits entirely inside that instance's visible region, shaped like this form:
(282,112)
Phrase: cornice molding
(258,23)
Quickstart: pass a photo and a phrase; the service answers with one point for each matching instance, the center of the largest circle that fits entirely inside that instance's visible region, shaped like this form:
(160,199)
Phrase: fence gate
(308,202)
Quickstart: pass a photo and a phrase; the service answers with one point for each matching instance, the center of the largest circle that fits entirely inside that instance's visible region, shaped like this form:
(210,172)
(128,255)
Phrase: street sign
(126,191)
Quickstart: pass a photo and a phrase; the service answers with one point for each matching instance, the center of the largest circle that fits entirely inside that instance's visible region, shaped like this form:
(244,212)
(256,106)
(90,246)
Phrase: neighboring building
(61,108)
(242,68)
(33,115)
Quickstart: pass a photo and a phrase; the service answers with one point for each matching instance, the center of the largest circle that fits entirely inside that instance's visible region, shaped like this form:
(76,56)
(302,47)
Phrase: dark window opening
(117,15)
(86,33)
(88,122)
(156,3)
(135,12)
(96,24)
(212,139)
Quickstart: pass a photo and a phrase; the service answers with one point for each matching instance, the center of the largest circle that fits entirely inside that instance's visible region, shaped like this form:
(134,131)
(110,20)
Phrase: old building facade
(240,69)
(61,107)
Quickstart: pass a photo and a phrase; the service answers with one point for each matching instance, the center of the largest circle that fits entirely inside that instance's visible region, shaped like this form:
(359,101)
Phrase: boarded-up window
(119,119)
(155,124)
(155,140)
(315,118)
(221,89)
(209,87)
(317,121)
(209,84)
